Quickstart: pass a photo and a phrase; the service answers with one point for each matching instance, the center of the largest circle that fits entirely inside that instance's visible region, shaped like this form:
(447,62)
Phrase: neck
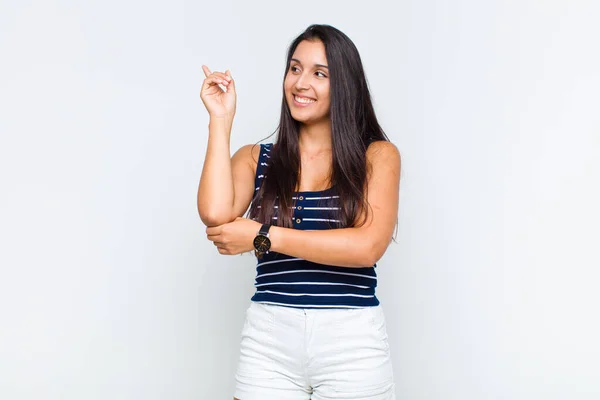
(315,138)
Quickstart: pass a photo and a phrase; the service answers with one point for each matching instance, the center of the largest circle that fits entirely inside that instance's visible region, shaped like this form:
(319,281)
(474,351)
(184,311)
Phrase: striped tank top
(295,282)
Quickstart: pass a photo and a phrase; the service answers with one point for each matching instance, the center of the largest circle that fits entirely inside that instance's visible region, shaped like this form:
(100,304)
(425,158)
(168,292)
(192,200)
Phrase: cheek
(325,93)
(287,83)
(325,97)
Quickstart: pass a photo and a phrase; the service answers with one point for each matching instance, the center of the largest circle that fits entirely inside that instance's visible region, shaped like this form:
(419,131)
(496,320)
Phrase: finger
(231,85)
(213,230)
(215,81)
(206,70)
(225,79)
(228,76)
(212,80)
(222,75)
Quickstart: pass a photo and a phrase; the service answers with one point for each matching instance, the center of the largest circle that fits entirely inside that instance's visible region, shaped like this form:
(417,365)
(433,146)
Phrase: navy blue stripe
(318,289)
(272,264)
(317,277)
(313,300)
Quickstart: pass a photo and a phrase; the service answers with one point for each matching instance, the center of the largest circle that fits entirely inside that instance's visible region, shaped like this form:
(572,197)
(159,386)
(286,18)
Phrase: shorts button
(301,198)
(299,207)
(298,220)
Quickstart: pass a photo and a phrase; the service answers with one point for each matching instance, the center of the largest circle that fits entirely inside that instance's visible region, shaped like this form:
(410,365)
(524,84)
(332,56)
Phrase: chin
(307,120)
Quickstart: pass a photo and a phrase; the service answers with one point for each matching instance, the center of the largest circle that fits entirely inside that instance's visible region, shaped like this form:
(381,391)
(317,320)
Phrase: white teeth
(303,100)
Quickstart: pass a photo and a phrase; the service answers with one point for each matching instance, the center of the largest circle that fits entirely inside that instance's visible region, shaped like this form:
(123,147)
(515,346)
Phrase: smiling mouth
(303,100)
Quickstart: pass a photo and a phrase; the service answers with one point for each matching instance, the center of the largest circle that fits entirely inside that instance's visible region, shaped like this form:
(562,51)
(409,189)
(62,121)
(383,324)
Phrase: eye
(293,68)
(322,74)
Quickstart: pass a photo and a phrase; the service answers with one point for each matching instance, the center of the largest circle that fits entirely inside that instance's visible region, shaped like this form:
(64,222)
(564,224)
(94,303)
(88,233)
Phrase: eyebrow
(316,65)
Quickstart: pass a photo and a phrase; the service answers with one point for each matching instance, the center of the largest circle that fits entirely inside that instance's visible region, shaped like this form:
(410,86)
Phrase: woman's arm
(215,191)
(353,247)
(347,247)
(226,185)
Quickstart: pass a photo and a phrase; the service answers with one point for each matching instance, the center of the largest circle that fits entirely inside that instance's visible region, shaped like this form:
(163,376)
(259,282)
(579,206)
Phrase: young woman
(323,206)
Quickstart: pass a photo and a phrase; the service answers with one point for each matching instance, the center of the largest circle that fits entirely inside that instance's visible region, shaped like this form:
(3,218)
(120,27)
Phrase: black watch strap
(264,229)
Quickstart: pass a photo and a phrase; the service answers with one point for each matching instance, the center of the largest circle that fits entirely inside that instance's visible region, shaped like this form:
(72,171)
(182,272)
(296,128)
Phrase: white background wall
(108,286)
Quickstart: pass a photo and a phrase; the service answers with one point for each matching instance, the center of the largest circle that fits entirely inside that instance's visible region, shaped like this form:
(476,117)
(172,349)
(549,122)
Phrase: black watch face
(262,243)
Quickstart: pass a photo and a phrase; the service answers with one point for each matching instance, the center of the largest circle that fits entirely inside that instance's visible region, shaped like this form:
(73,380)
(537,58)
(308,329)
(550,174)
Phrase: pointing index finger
(206,70)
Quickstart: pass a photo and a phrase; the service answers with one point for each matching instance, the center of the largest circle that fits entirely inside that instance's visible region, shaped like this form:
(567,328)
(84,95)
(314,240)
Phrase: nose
(301,82)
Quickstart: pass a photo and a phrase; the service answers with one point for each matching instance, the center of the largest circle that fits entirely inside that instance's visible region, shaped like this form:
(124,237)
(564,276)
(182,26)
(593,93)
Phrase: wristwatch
(262,243)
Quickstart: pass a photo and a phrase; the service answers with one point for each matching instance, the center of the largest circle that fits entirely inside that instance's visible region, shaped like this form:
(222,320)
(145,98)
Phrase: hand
(218,102)
(234,237)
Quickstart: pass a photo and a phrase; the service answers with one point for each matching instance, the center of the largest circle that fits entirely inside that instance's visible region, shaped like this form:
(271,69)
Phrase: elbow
(210,221)
(368,262)
(214,221)
(213,218)
(371,255)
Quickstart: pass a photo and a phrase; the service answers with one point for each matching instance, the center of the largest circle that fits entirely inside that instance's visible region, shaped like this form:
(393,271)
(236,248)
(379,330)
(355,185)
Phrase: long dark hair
(353,127)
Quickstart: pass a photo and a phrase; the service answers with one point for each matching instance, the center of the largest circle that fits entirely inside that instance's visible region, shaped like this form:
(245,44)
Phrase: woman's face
(306,83)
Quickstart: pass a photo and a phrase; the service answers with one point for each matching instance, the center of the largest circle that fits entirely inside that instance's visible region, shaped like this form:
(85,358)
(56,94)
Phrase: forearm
(347,247)
(215,191)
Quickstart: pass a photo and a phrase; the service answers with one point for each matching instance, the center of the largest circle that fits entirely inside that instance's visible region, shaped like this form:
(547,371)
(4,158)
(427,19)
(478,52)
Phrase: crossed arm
(347,247)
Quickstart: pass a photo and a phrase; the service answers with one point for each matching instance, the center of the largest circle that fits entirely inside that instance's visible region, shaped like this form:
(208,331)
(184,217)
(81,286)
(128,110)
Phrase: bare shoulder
(248,155)
(383,153)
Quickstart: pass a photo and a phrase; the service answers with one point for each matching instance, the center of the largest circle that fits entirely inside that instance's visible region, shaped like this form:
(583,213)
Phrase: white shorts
(300,354)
